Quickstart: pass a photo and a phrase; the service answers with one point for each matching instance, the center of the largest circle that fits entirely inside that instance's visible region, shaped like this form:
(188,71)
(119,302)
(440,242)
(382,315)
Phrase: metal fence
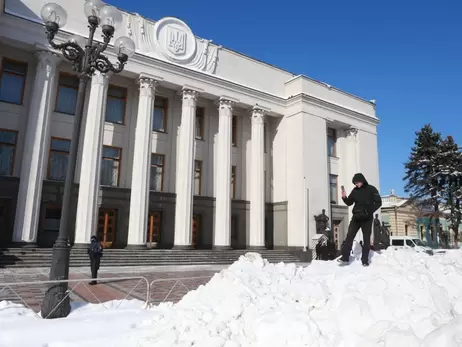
(31,293)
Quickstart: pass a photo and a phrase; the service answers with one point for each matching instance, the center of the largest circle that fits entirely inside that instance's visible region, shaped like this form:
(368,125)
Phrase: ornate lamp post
(86,58)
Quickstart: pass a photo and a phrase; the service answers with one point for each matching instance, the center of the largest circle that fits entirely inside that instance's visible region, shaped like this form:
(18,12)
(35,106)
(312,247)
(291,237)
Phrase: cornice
(332,107)
(153,63)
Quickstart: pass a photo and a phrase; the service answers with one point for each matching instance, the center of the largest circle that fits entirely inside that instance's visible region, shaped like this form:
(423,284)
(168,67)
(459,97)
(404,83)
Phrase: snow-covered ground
(403,299)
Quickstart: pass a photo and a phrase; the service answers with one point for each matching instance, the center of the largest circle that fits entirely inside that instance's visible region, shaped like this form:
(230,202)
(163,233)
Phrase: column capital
(226,103)
(351,132)
(189,94)
(47,57)
(47,61)
(101,78)
(147,85)
(258,115)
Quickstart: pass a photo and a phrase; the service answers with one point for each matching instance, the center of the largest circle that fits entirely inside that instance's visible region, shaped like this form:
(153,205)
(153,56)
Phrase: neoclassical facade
(192,146)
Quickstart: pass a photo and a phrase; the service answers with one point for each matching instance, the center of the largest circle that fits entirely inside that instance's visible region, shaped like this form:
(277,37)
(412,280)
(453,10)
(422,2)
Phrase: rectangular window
(110,166)
(159,121)
(200,123)
(331,142)
(405,229)
(58,159)
(52,219)
(12,81)
(197,177)
(233,182)
(234,131)
(115,105)
(157,172)
(333,179)
(66,97)
(8,140)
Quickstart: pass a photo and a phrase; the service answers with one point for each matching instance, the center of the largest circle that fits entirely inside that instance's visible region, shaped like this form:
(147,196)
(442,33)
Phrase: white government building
(242,154)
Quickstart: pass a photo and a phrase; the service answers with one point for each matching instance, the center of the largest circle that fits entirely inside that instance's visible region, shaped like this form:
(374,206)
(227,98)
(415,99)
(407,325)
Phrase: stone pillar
(34,161)
(257,180)
(90,171)
(139,199)
(185,170)
(222,233)
(351,162)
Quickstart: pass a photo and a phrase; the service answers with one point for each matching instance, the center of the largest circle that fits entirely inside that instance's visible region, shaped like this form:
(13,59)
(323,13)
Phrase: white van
(409,242)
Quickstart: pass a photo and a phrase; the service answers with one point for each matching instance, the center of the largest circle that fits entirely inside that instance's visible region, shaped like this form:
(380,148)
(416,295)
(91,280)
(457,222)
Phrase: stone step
(41,257)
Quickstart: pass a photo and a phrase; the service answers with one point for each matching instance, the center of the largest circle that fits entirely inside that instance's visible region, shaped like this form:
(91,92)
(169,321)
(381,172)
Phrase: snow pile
(403,299)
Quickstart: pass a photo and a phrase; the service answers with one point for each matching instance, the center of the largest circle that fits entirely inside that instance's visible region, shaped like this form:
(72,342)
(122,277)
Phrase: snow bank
(403,299)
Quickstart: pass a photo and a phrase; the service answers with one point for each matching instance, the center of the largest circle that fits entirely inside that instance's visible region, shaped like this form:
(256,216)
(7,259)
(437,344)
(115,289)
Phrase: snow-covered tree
(422,173)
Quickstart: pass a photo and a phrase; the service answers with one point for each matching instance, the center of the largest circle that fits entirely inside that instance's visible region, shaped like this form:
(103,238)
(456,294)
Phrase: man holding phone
(366,200)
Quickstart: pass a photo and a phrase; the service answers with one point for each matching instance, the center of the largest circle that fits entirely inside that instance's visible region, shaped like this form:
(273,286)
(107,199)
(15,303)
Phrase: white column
(257,181)
(222,233)
(139,199)
(185,170)
(350,160)
(34,161)
(90,171)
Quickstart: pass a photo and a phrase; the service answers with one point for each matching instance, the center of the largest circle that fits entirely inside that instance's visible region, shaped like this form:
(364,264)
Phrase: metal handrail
(140,279)
(177,281)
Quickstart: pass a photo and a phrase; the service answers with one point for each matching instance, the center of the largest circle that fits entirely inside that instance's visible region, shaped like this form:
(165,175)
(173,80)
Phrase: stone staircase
(41,257)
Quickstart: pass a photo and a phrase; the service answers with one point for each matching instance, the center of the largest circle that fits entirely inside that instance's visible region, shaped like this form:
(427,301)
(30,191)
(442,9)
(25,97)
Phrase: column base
(24,245)
(137,247)
(222,248)
(183,247)
(80,245)
(256,248)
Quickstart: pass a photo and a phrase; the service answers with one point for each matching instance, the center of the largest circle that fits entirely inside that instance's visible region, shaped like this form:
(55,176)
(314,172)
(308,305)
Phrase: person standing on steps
(366,200)
(95,251)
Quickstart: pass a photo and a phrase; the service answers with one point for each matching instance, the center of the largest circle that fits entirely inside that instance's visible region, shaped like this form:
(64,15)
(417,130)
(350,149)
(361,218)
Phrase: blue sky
(405,54)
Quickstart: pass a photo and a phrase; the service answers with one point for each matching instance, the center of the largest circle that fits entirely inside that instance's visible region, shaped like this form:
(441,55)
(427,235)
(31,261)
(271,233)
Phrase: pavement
(121,283)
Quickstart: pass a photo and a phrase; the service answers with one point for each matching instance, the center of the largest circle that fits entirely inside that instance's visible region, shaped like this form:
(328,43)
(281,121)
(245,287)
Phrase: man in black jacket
(367,200)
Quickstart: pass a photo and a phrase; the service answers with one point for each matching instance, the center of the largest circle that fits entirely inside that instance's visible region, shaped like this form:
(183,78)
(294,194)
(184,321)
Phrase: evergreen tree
(423,173)
(450,168)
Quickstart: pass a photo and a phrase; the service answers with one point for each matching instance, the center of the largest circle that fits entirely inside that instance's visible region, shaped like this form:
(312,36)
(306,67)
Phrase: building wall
(298,111)
(400,217)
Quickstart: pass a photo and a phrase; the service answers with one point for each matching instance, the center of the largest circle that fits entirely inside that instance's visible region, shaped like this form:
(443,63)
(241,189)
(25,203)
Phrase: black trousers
(94,265)
(353,228)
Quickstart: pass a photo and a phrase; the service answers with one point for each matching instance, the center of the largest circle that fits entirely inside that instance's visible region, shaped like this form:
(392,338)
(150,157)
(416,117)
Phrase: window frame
(57,91)
(124,114)
(118,160)
(200,162)
(163,173)
(332,134)
(13,159)
(336,201)
(234,130)
(165,113)
(200,115)
(233,181)
(44,218)
(2,71)
(50,151)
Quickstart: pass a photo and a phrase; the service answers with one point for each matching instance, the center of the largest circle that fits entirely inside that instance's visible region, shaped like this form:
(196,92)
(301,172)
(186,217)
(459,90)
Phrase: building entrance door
(5,232)
(196,228)
(154,226)
(107,227)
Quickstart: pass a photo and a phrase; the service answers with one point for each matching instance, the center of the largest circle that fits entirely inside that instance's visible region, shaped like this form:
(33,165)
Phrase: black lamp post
(86,58)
